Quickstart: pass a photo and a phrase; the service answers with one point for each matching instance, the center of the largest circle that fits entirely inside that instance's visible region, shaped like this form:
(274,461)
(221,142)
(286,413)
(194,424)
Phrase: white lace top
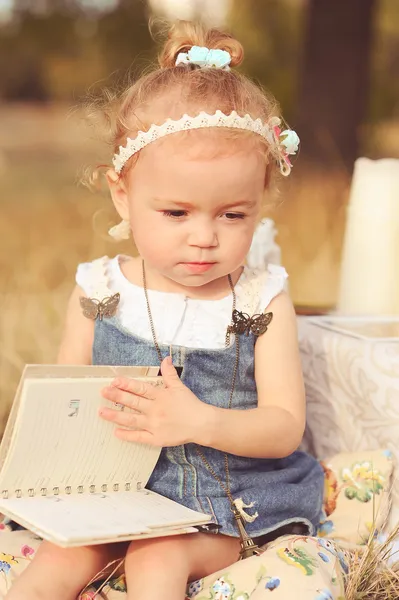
(182,321)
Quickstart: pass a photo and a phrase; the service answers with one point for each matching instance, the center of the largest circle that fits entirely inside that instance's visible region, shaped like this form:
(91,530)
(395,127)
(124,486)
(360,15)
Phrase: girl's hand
(163,416)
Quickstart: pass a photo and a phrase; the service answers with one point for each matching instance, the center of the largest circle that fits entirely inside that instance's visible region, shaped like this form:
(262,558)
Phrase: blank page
(59,441)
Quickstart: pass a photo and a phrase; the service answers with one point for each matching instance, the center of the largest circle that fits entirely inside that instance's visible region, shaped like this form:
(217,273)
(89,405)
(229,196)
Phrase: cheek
(235,242)
(152,238)
(242,244)
(243,233)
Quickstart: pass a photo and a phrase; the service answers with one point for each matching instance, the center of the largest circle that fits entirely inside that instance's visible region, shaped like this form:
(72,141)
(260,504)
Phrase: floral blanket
(292,567)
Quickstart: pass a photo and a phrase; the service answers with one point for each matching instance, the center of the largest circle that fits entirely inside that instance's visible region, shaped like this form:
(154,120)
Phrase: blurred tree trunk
(333,90)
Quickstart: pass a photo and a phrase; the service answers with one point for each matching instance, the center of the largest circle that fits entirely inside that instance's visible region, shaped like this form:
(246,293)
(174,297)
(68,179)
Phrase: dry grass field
(49,224)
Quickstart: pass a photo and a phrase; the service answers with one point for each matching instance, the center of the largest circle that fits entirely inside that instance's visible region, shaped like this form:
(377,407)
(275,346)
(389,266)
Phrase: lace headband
(284,143)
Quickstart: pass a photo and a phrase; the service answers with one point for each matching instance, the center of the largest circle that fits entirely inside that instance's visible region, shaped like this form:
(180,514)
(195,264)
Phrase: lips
(198,267)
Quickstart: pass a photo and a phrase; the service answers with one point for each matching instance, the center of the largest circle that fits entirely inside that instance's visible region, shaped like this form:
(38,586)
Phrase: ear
(118,192)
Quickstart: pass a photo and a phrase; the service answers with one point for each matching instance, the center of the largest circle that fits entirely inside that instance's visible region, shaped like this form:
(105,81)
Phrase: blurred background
(332,64)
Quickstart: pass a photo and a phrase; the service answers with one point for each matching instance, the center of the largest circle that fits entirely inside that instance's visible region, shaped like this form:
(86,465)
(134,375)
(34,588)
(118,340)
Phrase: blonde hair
(168,91)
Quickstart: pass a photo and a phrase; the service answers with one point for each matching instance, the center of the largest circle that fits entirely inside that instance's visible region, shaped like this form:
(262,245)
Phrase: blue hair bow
(205,58)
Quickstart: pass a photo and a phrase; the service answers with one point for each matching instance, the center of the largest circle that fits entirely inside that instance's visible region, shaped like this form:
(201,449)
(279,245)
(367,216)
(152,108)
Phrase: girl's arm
(275,428)
(77,339)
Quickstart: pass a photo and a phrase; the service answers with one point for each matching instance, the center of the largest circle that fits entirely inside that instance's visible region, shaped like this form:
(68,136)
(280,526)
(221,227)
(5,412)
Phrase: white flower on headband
(290,141)
(204,57)
(286,142)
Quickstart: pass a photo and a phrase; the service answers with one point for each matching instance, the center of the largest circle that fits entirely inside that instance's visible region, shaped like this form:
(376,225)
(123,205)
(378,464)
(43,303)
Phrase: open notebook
(63,473)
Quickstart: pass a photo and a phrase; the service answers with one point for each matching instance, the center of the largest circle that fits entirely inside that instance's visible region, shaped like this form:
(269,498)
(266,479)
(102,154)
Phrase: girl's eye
(176,214)
(234,216)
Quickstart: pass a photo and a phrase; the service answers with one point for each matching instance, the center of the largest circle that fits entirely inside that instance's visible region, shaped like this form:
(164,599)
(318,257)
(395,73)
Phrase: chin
(201,279)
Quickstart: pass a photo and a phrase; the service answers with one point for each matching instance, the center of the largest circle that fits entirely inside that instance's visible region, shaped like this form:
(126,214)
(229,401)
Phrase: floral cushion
(357,495)
(290,567)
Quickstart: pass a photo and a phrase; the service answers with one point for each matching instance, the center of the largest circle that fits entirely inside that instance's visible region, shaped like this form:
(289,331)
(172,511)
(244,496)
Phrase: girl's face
(193,209)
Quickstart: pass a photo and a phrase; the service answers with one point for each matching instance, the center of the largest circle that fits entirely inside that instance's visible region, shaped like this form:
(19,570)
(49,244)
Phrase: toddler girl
(196,147)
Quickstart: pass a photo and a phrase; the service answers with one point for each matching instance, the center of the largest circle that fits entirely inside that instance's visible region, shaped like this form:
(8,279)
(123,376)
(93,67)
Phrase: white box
(351,371)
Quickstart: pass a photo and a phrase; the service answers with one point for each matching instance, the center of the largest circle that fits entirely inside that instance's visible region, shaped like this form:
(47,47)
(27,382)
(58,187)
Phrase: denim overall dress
(272,492)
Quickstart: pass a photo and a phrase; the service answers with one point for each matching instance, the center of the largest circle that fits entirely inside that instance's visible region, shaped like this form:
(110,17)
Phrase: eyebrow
(243,203)
(171,201)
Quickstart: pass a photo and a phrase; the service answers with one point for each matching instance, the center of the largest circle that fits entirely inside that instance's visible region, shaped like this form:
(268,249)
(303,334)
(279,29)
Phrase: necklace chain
(248,548)
(154,337)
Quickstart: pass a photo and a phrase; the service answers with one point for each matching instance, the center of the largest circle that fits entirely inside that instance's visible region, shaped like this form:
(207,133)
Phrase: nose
(203,235)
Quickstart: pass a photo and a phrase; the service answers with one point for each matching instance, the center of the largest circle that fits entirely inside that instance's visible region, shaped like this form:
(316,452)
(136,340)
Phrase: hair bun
(185,34)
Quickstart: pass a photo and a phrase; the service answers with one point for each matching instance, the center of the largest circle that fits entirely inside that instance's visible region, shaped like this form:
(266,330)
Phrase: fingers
(169,373)
(134,426)
(118,396)
(139,388)
(124,419)
(138,437)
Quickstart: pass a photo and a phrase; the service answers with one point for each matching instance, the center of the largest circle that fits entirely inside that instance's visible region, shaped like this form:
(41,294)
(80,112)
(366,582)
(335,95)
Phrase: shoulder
(92,277)
(279,344)
(278,370)
(99,277)
(78,334)
(95,279)
(260,286)
(275,282)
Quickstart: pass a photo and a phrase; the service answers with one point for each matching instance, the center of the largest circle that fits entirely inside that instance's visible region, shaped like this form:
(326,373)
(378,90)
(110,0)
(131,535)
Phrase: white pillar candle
(370,260)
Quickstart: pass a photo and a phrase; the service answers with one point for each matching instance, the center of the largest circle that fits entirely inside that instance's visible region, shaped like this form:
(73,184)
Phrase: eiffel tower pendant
(248,547)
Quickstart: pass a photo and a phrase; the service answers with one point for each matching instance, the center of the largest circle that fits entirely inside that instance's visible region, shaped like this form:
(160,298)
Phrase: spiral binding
(68,490)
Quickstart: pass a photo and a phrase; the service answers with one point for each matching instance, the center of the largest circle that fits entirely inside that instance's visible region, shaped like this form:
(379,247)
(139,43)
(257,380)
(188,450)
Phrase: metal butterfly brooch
(97,309)
(243,323)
